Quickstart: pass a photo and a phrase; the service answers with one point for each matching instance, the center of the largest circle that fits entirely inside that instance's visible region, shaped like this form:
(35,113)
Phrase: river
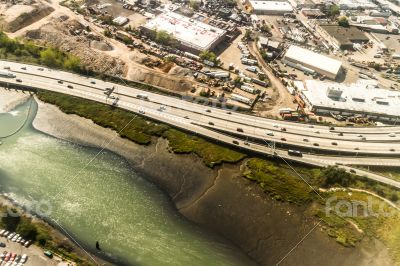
(97,195)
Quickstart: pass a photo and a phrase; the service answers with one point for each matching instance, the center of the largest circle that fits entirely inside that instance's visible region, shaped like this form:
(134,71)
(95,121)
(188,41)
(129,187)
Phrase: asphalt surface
(222,124)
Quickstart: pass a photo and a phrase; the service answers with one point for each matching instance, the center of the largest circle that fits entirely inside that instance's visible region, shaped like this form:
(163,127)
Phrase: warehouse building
(193,35)
(270,7)
(361,98)
(309,61)
(345,37)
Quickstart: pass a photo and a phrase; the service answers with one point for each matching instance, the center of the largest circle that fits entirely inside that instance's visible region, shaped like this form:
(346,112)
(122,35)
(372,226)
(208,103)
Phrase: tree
(336,176)
(207,55)
(73,63)
(194,4)
(26,229)
(265,28)
(165,38)
(50,57)
(343,22)
(247,34)
(333,10)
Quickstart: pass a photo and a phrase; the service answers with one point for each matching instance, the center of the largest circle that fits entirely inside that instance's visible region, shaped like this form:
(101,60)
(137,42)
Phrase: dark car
(316,144)
(283,129)
(235,142)
(70,87)
(3,245)
(334,143)
(211,123)
(240,129)
(283,139)
(332,128)
(18,80)
(60,81)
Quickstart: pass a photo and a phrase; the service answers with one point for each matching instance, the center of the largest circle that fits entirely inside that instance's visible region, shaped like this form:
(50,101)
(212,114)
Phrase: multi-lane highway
(361,146)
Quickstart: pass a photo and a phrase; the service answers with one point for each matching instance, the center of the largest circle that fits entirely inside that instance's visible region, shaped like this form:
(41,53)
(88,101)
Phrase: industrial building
(345,37)
(270,7)
(193,35)
(361,98)
(311,62)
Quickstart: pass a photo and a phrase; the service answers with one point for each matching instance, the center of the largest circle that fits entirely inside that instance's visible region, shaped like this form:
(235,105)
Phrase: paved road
(197,118)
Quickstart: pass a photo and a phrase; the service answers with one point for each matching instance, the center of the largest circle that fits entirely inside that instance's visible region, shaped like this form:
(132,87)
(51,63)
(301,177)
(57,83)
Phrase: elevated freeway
(380,146)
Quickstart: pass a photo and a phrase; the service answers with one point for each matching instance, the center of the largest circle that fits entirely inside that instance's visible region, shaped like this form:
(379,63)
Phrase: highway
(228,126)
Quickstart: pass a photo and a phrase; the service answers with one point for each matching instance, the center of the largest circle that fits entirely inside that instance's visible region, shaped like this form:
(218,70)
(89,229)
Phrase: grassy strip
(281,183)
(141,130)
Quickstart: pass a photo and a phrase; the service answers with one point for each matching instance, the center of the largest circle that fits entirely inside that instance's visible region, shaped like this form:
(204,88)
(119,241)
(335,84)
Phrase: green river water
(134,221)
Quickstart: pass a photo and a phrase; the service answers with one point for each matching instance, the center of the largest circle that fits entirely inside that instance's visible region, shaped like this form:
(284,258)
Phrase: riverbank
(9,99)
(219,199)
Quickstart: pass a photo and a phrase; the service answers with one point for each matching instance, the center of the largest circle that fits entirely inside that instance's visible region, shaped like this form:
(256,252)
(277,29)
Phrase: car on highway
(295,153)
(186,117)
(229,113)
(316,144)
(7,67)
(23,68)
(305,140)
(239,129)
(208,110)
(275,125)
(211,123)
(392,135)
(60,82)
(311,126)
(70,87)
(235,142)
(334,143)
(392,150)
(40,69)
(141,110)
(283,139)
(283,129)
(316,132)
(356,148)
(18,80)
(246,143)
(340,134)
(269,133)
(93,82)
(332,128)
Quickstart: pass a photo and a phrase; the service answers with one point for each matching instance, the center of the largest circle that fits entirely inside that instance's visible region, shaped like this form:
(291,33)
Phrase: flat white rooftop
(313,60)
(189,32)
(363,96)
(280,6)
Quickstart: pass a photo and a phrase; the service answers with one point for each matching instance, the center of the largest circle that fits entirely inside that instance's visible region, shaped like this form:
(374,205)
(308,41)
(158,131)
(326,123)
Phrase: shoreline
(212,198)
(10,99)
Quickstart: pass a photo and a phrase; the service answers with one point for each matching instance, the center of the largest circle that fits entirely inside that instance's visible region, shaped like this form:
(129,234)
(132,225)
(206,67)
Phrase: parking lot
(35,254)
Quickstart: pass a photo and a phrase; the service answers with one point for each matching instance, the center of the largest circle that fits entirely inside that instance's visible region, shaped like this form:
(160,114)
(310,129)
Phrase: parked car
(48,253)
(3,245)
